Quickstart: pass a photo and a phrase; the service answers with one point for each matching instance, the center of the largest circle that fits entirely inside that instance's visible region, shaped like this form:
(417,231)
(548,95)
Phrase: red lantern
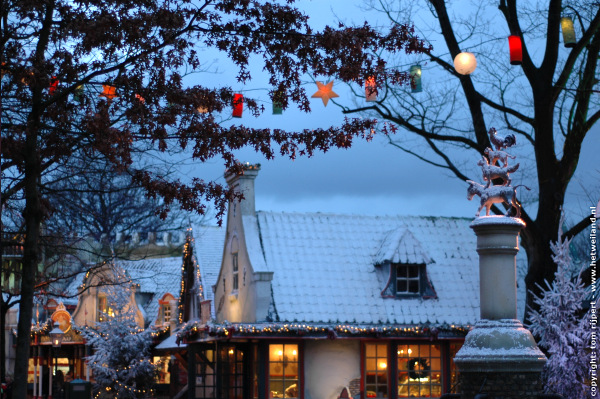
(516,50)
(238,105)
(53,85)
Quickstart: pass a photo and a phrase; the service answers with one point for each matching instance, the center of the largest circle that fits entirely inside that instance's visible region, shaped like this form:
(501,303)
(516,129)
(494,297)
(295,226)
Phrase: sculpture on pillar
(490,166)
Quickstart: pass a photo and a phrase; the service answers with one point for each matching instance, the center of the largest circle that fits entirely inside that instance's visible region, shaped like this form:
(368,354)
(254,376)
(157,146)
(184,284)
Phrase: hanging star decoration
(325,92)
(109,92)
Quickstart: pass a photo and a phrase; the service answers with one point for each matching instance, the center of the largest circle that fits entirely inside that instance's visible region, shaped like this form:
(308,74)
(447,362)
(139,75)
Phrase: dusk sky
(369,178)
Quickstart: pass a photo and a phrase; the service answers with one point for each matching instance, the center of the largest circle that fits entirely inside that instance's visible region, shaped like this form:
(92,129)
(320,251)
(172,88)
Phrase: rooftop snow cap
(244,183)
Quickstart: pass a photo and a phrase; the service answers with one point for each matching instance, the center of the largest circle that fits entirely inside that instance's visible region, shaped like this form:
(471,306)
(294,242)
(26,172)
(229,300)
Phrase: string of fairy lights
(188,251)
(192,330)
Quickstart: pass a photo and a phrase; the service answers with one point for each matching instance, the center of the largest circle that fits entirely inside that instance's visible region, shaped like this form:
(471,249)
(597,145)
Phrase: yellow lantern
(465,63)
(568,31)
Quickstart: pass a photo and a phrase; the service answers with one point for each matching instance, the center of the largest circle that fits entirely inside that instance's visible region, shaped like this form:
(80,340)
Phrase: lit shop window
(376,382)
(419,371)
(283,371)
(231,363)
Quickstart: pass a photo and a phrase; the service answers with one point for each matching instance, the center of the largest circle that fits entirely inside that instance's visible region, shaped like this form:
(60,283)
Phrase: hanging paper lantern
(325,92)
(238,105)
(370,89)
(465,63)
(568,31)
(78,93)
(53,85)
(415,78)
(109,92)
(516,50)
(277,108)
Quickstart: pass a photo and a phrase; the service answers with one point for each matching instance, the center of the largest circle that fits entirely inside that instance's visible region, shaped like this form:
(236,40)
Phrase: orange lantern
(109,92)
(516,50)
(568,31)
(370,89)
(238,105)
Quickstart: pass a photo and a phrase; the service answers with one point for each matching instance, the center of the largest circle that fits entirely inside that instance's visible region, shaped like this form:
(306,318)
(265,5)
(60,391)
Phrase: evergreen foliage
(563,333)
(120,364)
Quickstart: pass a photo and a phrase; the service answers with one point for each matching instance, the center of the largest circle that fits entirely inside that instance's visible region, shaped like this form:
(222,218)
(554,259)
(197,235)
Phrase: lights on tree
(415,79)
(465,63)
(238,105)
(325,92)
(370,89)
(568,31)
(516,50)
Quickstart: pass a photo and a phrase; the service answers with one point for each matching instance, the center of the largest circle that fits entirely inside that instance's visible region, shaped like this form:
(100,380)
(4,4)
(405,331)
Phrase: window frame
(300,367)
(392,369)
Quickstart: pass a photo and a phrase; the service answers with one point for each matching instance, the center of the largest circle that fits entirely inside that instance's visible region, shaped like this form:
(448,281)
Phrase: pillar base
(505,385)
(500,358)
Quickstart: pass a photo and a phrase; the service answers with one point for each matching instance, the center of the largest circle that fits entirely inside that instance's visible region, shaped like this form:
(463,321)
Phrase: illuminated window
(103,311)
(283,371)
(376,381)
(166,313)
(419,371)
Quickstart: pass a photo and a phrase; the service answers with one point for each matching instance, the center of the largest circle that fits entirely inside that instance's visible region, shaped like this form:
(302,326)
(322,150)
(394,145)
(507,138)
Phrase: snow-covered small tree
(562,330)
(120,362)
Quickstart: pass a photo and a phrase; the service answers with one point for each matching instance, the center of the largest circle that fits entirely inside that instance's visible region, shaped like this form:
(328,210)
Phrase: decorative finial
(490,167)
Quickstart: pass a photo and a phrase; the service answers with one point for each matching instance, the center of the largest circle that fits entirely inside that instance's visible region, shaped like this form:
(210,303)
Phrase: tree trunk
(33,219)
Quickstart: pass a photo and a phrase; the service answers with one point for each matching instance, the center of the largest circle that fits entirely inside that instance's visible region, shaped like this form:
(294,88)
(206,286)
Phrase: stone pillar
(499,356)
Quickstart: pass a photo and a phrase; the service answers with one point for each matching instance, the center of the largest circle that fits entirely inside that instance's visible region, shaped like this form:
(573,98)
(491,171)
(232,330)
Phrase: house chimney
(244,184)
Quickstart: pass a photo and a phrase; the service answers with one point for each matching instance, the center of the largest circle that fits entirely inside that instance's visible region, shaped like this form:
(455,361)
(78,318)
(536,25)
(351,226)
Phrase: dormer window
(401,264)
(166,311)
(406,280)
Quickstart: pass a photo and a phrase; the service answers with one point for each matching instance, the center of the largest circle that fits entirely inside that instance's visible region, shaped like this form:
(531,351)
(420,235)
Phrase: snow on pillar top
(245,184)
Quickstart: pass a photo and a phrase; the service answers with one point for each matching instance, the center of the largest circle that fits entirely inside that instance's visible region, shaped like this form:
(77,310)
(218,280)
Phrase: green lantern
(415,79)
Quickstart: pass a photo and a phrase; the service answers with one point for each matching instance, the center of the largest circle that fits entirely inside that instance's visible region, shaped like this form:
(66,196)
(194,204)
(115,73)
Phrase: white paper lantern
(465,63)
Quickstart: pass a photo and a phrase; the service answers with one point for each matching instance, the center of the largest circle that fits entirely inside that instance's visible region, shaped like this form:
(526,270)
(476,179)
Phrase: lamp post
(56,335)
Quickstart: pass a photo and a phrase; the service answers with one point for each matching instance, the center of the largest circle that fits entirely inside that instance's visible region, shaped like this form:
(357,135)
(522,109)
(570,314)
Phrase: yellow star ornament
(325,92)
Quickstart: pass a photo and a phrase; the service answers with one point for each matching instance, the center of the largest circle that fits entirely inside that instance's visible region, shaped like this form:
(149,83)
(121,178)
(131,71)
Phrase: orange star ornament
(325,92)
(109,92)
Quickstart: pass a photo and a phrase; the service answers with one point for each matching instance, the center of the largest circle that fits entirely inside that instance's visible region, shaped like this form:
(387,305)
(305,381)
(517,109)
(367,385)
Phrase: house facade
(323,306)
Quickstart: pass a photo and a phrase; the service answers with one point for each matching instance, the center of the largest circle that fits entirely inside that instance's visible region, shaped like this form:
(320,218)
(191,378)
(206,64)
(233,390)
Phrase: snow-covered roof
(324,267)
(158,277)
(208,252)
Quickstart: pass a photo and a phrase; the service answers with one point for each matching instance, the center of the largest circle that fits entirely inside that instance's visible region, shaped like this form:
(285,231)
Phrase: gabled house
(323,306)
(156,278)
